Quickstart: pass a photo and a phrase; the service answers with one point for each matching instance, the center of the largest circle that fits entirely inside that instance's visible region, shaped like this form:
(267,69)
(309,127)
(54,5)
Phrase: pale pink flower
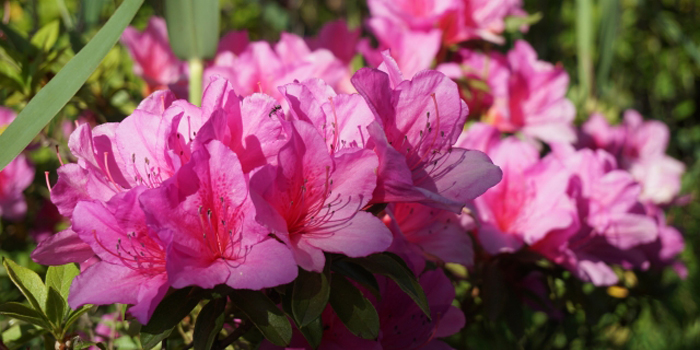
(417,123)
(204,216)
(313,200)
(639,147)
(614,224)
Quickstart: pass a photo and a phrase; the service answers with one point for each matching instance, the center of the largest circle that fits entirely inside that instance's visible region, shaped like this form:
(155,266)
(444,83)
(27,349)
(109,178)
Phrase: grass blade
(54,96)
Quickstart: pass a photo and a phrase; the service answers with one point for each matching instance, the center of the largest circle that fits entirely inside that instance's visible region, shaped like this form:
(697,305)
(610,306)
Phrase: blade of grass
(54,96)
(609,24)
(584,46)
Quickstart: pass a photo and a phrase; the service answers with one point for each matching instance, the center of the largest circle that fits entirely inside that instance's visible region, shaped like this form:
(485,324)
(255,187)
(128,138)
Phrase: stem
(196,68)
(239,332)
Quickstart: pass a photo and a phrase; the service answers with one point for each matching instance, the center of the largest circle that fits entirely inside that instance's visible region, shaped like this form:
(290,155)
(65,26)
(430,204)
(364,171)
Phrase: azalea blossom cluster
(238,192)
(292,156)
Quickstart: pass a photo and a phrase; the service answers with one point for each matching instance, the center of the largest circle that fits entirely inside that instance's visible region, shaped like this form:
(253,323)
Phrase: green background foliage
(641,54)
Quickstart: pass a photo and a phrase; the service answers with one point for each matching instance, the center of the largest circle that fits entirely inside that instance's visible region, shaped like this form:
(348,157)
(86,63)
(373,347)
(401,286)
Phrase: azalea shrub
(412,175)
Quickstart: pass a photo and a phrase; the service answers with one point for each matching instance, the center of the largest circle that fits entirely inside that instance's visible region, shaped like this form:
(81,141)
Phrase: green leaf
(313,332)
(46,37)
(209,323)
(171,310)
(55,307)
(28,282)
(309,296)
(357,273)
(61,278)
(513,23)
(17,40)
(609,23)
(149,341)
(19,334)
(356,312)
(75,314)
(390,265)
(193,27)
(51,99)
(24,313)
(264,314)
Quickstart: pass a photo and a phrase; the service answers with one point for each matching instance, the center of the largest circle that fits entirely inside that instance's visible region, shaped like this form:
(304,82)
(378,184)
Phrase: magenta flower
(639,147)
(14,178)
(418,122)
(313,201)
(154,60)
(130,253)
(206,220)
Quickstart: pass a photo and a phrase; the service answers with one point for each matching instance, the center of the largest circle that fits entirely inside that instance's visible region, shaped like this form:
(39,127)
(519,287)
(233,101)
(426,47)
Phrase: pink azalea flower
(205,218)
(341,120)
(457,20)
(413,14)
(665,249)
(154,60)
(113,157)
(418,122)
(338,38)
(473,69)
(14,178)
(437,234)
(613,222)
(130,253)
(536,101)
(313,201)
(402,43)
(523,94)
(260,68)
(249,126)
(528,204)
(482,19)
(639,147)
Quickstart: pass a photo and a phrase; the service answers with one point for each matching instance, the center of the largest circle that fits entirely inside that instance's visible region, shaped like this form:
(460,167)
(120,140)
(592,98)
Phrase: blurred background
(641,54)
